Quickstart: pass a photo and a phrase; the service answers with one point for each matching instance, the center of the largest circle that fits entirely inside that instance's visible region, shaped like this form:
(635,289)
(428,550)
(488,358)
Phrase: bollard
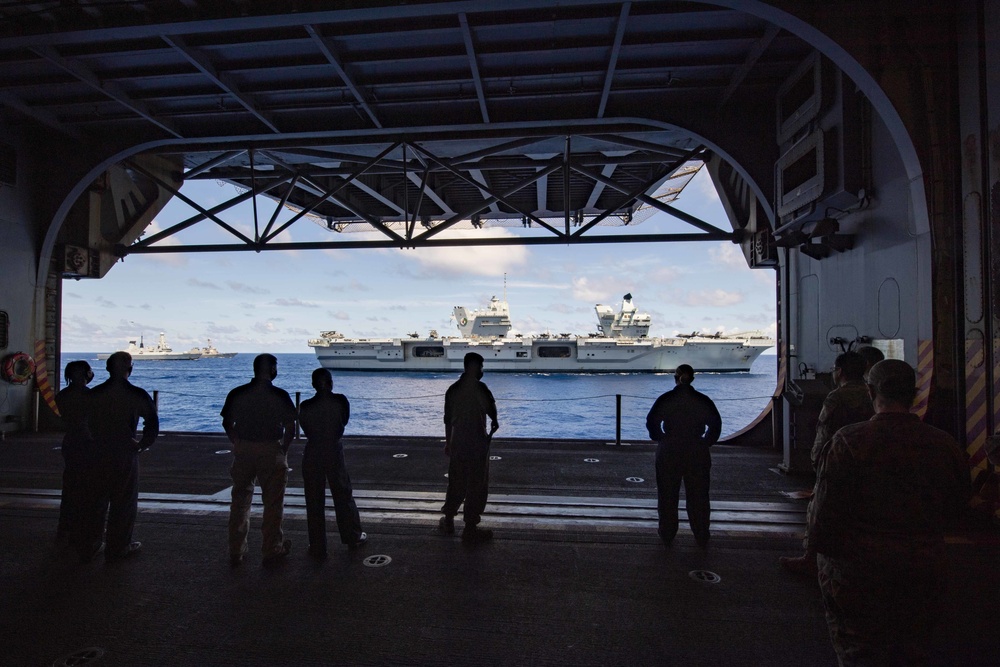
(618,419)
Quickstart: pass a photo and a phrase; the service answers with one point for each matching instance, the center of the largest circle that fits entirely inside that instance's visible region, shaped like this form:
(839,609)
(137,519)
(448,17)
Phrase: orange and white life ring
(17,368)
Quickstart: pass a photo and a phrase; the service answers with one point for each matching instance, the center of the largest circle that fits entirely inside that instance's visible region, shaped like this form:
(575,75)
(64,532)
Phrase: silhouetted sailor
(885,490)
(77,452)
(116,406)
(259,419)
(323,418)
(685,423)
(467,404)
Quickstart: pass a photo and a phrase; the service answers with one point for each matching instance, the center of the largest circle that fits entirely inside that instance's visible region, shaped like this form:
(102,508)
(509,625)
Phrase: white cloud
(727,254)
(703,186)
(265,327)
(169,259)
(351,286)
(470,260)
(195,282)
(153,229)
(718,298)
(246,289)
(664,274)
(585,291)
(294,302)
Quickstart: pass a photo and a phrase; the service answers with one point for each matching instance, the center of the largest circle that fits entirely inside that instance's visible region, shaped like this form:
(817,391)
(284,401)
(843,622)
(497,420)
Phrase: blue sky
(276,301)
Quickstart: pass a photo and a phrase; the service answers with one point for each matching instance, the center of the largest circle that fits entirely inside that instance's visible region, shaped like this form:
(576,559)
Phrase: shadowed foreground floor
(554,587)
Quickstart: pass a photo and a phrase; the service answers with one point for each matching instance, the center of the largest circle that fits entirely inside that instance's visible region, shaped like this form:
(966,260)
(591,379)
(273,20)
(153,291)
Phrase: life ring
(17,368)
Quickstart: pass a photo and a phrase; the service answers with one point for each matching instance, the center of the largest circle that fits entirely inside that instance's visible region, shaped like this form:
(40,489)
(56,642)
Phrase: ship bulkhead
(361,354)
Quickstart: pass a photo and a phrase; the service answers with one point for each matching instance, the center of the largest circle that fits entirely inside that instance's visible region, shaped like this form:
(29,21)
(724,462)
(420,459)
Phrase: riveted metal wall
(977,256)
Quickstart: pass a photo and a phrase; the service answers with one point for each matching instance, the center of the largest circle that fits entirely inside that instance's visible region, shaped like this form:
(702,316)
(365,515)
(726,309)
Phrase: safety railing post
(156,399)
(298,398)
(618,419)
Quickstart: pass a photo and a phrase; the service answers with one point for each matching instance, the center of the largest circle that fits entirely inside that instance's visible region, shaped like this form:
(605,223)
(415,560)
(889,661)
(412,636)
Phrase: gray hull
(541,355)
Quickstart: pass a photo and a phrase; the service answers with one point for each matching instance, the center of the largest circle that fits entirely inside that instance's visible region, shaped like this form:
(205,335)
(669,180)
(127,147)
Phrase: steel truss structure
(410,191)
(407,118)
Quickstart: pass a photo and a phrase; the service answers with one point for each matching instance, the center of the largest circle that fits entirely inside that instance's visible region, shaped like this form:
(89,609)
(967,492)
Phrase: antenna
(505,286)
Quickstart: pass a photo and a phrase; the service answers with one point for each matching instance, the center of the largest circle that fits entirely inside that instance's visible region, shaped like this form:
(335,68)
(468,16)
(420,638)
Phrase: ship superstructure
(210,352)
(622,345)
(159,352)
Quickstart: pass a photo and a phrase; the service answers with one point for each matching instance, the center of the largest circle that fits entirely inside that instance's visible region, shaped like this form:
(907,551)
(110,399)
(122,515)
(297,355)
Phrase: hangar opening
(409,119)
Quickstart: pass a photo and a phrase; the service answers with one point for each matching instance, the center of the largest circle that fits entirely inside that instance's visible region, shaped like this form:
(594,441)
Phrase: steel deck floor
(575,575)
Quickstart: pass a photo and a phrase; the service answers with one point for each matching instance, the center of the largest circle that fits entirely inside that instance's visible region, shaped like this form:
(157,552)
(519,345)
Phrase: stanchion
(618,419)
(298,398)
(156,400)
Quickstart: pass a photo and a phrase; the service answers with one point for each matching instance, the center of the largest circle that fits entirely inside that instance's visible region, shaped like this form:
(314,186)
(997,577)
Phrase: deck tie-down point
(378,560)
(81,657)
(705,576)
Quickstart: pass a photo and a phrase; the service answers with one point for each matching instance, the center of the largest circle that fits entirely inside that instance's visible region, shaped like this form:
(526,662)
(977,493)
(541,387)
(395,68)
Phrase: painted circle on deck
(378,560)
(399,456)
(705,576)
(635,480)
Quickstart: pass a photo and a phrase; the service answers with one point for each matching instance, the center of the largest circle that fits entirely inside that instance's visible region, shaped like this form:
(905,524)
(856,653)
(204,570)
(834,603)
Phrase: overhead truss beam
(482,187)
(433,243)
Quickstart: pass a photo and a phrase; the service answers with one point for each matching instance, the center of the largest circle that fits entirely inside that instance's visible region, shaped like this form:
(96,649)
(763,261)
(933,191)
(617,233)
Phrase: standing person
(116,406)
(77,446)
(871,355)
(685,423)
(467,404)
(848,403)
(259,419)
(323,418)
(884,492)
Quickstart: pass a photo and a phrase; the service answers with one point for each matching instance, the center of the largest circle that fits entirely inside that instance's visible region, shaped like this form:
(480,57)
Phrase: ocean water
(190,395)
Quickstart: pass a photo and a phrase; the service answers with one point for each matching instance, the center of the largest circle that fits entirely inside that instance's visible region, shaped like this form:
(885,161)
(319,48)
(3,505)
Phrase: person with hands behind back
(467,404)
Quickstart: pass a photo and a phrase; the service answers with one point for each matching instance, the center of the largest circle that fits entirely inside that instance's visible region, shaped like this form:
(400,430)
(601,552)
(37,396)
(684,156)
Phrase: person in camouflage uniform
(885,490)
(848,403)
